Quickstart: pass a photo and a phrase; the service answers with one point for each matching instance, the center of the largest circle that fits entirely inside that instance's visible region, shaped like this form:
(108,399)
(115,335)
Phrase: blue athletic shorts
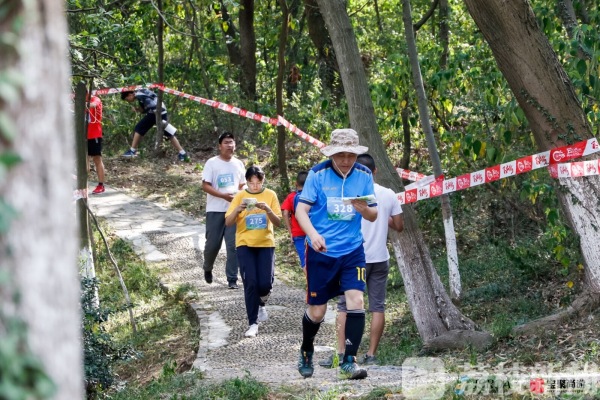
(328,277)
(300,244)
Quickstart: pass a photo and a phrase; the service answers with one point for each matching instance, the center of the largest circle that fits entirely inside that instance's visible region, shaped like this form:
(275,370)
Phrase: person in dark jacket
(148,101)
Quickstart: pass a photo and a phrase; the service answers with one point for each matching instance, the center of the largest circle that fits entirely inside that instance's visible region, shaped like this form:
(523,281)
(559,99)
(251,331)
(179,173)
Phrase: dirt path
(168,236)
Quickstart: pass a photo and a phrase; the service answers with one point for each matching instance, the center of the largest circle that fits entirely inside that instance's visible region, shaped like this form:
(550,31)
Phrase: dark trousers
(257,267)
(215,232)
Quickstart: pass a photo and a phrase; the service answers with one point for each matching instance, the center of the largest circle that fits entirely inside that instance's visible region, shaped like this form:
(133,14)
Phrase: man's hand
(228,196)
(318,243)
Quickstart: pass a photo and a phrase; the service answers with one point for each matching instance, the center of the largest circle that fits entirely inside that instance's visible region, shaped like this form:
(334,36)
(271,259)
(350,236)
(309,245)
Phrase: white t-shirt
(226,177)
(375,233)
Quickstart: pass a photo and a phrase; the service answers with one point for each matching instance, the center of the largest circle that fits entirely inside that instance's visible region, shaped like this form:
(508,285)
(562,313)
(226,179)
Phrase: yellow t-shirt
(253,227)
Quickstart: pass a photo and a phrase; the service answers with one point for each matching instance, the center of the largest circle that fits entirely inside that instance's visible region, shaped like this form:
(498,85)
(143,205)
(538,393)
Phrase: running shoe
(252,331)
(99,189)
(130,154)
(305,364)
(262,314)
(184,157)
(350,369)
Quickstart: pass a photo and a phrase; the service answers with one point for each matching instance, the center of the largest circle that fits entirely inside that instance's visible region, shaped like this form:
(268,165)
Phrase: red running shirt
(94,129)
(288,204)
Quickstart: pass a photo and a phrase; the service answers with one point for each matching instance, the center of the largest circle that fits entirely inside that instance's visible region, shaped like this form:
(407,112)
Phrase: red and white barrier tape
(519,166)
(222,106)
(409,175)
(303,135)
(575,169)
(99,92)
(80,194)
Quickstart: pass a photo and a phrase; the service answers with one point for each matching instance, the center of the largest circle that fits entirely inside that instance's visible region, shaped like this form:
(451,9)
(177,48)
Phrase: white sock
(132,149)
(182,151)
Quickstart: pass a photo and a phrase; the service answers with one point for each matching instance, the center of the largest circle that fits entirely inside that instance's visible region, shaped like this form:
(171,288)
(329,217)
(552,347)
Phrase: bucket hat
(343,140)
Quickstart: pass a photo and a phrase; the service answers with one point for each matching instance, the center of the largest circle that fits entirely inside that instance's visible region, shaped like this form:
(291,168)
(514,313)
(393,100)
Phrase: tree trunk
(85,253)
(160,27)
(281,71)
(40,251)
(413,55)
(550,104)
(248,50)
(434,313)
(325,51)
(230,32)
(566,11)
(444,10)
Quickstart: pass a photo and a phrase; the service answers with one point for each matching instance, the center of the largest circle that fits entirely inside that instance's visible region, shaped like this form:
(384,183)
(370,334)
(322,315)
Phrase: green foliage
(190,387)
(141,281)
(100,349)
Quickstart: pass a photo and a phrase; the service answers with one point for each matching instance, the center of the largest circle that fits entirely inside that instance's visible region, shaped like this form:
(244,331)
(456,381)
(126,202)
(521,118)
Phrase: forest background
(237,53)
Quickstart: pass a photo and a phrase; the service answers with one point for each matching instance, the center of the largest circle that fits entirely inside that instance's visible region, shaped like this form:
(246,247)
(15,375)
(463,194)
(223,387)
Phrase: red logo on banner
(541,160)
(436,188)
(524,164)
(424,192)
(564,170)
(577,169)
(463,181)
(536,385)
(508,170)
(591,169)
(558,155)
(568,152)
(450,186)
(411,196)
(553,170)
(492,173)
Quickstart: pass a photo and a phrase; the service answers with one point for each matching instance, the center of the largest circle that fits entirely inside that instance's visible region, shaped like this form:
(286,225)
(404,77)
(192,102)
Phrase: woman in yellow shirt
(255,211)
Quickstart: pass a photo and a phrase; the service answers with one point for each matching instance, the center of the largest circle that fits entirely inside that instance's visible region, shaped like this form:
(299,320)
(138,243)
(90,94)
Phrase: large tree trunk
(413,55)
(548,99)
(435,315)
(40,251)
(317,31)
(248,50)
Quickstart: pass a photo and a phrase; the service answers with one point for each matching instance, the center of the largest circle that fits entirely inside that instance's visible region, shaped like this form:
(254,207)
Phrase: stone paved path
(159,234)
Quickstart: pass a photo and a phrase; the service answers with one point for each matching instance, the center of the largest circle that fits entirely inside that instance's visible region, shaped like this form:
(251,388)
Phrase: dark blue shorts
(328,277)
(148,121)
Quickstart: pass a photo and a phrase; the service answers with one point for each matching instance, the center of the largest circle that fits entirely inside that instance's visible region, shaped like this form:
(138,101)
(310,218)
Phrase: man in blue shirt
(337,194)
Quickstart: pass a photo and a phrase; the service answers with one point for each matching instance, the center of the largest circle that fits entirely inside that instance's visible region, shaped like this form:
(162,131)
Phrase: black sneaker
(208,276)
(305,364)
(350,369)
(233,285)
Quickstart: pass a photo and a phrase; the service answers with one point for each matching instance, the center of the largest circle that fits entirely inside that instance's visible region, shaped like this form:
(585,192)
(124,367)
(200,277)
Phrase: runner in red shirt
(94,135)
(289,207)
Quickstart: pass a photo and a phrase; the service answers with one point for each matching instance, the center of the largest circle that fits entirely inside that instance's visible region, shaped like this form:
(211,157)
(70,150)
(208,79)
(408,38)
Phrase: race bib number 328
(338,211)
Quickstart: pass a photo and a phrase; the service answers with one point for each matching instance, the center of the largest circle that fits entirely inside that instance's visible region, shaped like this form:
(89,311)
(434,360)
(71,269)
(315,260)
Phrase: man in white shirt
(377,266)
(223,176)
